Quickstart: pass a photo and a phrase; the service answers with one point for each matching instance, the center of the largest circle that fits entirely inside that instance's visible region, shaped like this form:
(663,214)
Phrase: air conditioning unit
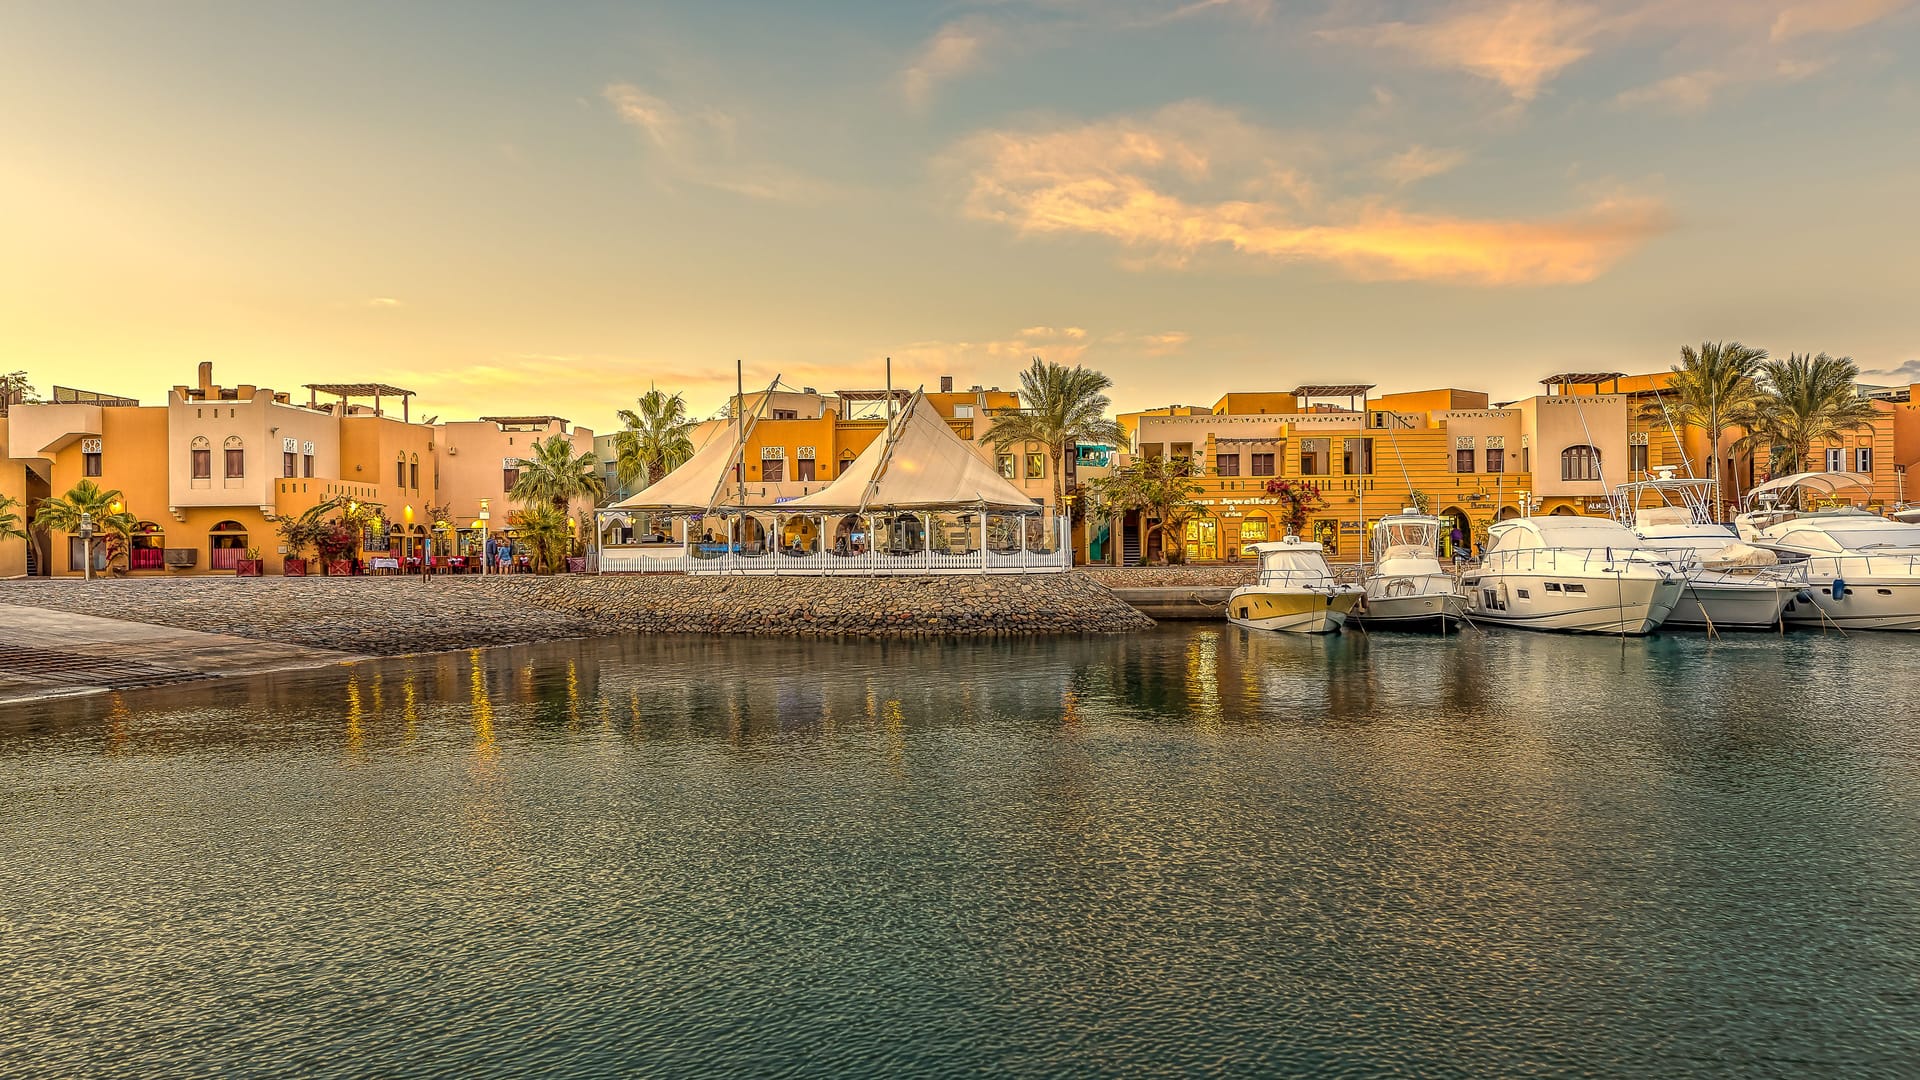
(181,558)
(452,450)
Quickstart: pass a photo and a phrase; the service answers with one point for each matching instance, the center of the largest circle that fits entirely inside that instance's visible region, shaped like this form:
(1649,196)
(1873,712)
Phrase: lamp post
(86,546)
(486,535)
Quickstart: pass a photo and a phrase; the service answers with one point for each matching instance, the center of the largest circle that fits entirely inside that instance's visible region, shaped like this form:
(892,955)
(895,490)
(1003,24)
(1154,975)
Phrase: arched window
(413,472)
(227,545)
(200,455)
(400,471)
(1580,463)
(236,456)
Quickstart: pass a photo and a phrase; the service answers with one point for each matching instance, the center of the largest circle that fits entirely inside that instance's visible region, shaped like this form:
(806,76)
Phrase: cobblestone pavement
(1170,577)
(393,615)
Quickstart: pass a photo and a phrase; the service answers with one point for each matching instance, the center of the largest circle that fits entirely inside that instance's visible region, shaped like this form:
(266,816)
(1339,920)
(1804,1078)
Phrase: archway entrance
(1455,531)
(226,545)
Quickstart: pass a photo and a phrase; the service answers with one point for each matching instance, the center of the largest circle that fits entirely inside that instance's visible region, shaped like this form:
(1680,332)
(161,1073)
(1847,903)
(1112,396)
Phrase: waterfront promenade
(398,615)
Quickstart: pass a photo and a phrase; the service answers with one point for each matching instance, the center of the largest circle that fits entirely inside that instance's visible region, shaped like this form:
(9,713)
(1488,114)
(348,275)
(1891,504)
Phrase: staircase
(1129,547)
(33,558)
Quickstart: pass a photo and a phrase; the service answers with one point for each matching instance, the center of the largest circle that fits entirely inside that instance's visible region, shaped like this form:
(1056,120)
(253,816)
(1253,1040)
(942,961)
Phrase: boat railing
(1571,559)
(1296,578)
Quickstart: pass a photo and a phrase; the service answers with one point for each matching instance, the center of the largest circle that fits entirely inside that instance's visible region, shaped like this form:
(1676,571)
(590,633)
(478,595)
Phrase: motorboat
(1574,574)
(1730,584)
(1863,570)
(1779,500)
(1409,588)
(1295,591)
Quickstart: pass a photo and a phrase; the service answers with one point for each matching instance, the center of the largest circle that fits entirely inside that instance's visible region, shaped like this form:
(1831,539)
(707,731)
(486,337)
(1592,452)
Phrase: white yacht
(1730,585)
(1409,588)
(1577,574)
(1295,591)
(1863,570)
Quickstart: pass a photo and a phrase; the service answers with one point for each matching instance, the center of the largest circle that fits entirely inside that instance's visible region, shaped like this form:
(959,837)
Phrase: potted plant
(249,566)
(299,536)
(337,542)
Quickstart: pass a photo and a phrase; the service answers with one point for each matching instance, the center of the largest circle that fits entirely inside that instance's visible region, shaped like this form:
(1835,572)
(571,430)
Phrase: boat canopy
(1555,531)
(1407,536)
(920,465)
(1845,532)
(1300,560)
(1823,483)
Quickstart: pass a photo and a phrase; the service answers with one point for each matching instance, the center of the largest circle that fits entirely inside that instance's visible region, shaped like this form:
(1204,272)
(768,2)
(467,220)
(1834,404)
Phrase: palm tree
(103,506)
(555,475)
(9,521)
(1063,405)
(547,533)
(1711,385)
(655,440)
(1806,399)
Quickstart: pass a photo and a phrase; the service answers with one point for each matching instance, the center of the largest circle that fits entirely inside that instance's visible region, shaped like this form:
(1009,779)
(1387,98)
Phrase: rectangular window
(773,470)
(413,475)
(89,464)
(1357,457)
(77,553)
(1226,464)
(803,469)
(963,412)
(1006,465)
(1463,459)
(1262,465)
(202,464)
(400,474)
(1862,459)
(1577,588)
(308,462)
(236,463)
(1637,457)
(1313,457)
(289,464)
(1836,460)
(1036,466)
(1496,459)
(786,414)
(510,477)
(1553,586)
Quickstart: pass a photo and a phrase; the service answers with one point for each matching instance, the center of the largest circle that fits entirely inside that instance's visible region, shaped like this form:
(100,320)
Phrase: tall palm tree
(96,503)
(555,475)
(655,440)
(1711,385)
(1062,405)
(1806,399)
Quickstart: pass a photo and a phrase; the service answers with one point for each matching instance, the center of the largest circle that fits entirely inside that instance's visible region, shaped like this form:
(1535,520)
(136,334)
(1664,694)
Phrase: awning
(1824,483)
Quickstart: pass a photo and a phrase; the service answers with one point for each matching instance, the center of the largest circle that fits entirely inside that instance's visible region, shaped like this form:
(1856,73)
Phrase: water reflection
(1202,849)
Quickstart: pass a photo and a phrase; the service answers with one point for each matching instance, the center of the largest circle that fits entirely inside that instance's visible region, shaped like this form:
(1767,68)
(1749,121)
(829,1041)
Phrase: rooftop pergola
(1355,393)
(1566,379)
(346,391)
(524,421)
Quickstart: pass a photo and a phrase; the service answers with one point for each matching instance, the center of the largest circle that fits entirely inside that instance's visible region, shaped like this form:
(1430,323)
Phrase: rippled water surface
(1196,851)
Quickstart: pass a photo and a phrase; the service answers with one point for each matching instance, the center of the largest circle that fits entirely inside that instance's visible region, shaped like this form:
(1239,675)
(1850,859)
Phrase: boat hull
(1730,605)
(1421,611)
(1868,604)
(1606,604)
(1291,611)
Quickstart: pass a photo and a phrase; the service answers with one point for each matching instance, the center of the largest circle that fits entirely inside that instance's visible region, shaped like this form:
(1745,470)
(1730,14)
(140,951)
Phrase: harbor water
(1200,850)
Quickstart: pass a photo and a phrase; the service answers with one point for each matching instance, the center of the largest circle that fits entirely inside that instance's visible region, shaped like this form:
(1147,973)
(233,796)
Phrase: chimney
(946,384)
(206,376)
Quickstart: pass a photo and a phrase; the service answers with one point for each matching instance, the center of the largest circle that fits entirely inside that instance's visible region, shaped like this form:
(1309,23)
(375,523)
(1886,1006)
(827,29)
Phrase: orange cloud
(1175,185)
(1521,44)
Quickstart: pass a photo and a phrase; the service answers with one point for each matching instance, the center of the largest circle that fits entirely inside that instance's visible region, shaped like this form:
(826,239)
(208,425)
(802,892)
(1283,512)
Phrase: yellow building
(210,474)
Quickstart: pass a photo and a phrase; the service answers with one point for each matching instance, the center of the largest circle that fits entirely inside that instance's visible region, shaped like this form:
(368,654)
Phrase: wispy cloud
(954,50)
(1193,179)
(999,359)
(1417,163)
(1906,374)
(703,146)
(383,302)
(1524,45)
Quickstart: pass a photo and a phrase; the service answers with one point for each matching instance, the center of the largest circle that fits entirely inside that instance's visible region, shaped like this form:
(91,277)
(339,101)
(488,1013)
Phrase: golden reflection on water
(117,716)
(410,708)
(1203,680)
(482,708)
(356,736)
(573,695)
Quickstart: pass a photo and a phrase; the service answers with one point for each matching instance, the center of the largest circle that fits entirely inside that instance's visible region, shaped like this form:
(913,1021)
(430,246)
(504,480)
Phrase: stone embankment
(402,615)
(1171,577)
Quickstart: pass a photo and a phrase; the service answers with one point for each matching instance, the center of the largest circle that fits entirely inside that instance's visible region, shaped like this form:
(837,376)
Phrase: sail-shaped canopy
(920,464)
(704,479)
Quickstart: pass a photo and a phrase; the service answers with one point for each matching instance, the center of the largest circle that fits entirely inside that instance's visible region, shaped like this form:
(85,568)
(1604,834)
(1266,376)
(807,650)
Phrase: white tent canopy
(920,464)
(697,484)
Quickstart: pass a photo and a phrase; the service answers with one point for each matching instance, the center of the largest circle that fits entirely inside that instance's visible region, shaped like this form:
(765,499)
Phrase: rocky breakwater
(396,615)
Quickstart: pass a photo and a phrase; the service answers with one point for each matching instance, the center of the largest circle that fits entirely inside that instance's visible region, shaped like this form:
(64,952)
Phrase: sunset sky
(516,207)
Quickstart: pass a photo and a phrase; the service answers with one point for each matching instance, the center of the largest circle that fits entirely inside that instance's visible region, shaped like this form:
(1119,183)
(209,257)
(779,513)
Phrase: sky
(516,208)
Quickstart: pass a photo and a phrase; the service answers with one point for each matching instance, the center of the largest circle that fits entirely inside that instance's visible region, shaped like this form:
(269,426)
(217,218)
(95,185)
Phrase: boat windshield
(1294,567)
(1424,535)
(1896,537)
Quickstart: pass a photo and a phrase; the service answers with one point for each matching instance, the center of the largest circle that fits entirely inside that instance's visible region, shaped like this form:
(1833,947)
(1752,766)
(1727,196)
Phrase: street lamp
(86,546)
(486,534)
